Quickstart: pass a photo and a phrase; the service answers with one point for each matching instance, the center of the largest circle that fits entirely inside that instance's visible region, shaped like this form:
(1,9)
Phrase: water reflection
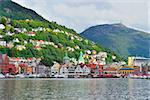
(85,89)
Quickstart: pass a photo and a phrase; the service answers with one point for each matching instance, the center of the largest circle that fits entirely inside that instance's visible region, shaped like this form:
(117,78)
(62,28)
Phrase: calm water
(80,89)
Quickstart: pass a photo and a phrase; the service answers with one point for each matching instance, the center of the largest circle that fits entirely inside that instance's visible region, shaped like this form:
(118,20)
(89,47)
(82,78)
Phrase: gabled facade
(79,69)
(86,70)
(63,70)
(5,67)
(55,69)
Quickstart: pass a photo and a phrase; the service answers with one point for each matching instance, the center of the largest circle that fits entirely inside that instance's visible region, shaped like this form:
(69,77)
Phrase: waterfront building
(55,69)
(125,70)
(96,68)
(29,70)
(86,70)
(78,70)
(110,70)
(5,67)
(43,70)
(71,71)
(63,70)
(136,70)
(138,61)
(21,67)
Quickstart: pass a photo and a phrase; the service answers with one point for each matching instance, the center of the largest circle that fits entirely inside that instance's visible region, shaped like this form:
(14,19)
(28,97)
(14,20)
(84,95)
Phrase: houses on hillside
(3,43)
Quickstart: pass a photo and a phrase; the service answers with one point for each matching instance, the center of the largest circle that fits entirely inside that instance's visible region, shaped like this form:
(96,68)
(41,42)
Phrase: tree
(3,21)
(8,28)
(12,29)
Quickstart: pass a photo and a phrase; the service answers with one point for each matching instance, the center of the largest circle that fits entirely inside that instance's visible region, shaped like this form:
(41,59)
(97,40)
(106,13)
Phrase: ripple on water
(86,89)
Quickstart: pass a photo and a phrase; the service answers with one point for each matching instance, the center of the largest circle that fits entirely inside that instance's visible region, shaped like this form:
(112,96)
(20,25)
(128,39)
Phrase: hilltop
(13,10)
(120,38)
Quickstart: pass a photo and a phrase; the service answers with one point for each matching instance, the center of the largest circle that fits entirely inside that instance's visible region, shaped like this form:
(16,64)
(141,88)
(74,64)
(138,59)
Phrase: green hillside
(50,42)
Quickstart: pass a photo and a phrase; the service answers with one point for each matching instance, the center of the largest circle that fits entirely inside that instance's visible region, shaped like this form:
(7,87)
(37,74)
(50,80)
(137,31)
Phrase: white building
(139,61)
(63,70)
(101,58)
(55,69)
(86,70)
(2,26)
(9,33)
(3,43)
(1,36)
(71,69)
(16,40)
(20,47)
(79,69)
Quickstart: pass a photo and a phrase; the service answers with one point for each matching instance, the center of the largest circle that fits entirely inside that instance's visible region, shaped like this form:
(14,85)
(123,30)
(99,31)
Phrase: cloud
(81,14)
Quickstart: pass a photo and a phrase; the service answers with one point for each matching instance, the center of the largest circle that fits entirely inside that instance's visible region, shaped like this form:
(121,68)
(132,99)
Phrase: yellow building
(126,70)
(131,62)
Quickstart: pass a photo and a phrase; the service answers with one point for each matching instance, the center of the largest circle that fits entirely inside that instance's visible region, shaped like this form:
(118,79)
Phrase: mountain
(13,10)
(120,38)
(27,35)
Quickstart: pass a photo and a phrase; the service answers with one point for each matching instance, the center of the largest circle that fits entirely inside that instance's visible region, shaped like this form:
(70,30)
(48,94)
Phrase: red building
(5,67)
(96,68)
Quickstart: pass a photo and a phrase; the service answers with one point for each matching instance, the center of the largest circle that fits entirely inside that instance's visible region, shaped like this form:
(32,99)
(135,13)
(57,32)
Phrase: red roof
(22,65)
(37,46)
(29,58)
(17,59)
(94,65)
(31,32)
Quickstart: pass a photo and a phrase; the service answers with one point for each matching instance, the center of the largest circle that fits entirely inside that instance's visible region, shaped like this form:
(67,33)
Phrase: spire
(66,54)
(81,59)
(66,58)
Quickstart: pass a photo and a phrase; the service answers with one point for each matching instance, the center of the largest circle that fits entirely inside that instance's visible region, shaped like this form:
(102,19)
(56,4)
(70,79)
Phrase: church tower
(81,59)
(66,59)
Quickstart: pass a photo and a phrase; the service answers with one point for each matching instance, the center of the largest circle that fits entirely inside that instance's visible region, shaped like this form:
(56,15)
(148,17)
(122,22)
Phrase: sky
(82,14)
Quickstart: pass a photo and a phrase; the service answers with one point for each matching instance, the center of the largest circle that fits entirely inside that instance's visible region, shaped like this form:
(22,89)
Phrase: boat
(20,76)
(9,76)
(60,76)
(2,76)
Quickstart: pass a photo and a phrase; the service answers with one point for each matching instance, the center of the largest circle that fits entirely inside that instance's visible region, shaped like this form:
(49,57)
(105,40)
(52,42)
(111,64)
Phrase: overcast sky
(81,14)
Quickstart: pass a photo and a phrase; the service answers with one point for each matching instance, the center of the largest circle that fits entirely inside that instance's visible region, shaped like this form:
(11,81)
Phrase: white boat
(20,76)
(31,76)
(9,76)
(37,75)
(144,76)
(148,76)
(2,76)
(61,76)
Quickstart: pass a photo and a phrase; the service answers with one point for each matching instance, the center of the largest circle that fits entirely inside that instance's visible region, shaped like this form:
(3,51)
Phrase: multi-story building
(5,67)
